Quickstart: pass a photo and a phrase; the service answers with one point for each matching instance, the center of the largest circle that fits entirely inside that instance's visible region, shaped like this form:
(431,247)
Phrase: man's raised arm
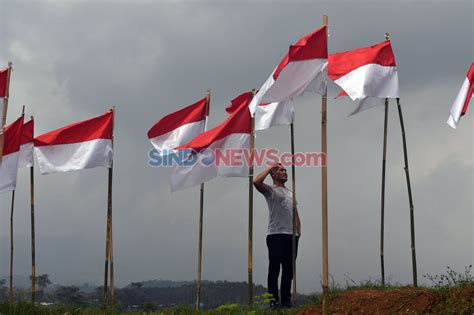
(258,182)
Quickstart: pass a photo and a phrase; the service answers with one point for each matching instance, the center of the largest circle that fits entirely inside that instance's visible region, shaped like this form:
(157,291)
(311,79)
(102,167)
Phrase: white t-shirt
(280,210)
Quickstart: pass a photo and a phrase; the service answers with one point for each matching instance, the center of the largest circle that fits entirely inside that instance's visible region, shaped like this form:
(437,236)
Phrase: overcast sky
(75,59)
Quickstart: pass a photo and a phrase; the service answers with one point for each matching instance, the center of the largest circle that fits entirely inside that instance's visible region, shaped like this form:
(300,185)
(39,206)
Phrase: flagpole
(109,201)
(109,221)
(382,206)
(293,184)
(10,293)
(111,259)
(201,212)
(33,249)
(5,108)
(410,197)
(250,225)
(107,242)
(324,197)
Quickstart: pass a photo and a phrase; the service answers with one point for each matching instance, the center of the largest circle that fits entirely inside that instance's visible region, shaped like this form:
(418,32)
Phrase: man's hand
(258,182)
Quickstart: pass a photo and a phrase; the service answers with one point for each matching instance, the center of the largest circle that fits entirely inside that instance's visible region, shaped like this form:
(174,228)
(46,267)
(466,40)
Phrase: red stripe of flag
(470,77)
(3,82)
(96,128)
(13,133)
(340,64)
(192,113)
(27,133)
(311,46)
(240,121)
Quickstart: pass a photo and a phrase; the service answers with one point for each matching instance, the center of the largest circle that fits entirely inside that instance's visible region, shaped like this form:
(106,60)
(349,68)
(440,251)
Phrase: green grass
(454,294)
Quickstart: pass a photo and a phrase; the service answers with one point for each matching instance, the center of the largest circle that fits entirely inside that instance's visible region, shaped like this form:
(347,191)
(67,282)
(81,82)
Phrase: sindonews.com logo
(234,158)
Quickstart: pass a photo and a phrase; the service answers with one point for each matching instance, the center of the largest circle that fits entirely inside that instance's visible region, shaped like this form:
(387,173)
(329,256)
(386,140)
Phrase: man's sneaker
(275,305)
(286,304)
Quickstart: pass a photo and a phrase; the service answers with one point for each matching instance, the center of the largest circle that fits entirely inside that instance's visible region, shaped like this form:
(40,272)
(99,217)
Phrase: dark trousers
(280,253)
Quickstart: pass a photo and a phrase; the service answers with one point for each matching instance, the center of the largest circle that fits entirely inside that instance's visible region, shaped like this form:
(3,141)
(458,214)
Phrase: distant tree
(3,289)
(136,285)
(42,281)
(70,295)
(148,306)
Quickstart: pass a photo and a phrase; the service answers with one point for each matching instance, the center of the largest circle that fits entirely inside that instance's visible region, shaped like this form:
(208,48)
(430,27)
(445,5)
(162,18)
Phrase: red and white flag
(82,145)
(461,102)
(26,145)
(11,148)
(179,127)
(274,114)
(231,136)
(302,69)
(366,74)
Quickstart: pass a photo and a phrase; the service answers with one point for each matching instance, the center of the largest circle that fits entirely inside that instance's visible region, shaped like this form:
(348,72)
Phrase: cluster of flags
(368,75)
(82,145)
(233,133)
(365,74)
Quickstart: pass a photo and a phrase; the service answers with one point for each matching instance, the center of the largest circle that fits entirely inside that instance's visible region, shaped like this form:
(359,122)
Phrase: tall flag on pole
(5,75)
(180,127)
(86,144)
(461,102)
(302,69)
(26,145)
(11,148)
(232,134)
(366,74)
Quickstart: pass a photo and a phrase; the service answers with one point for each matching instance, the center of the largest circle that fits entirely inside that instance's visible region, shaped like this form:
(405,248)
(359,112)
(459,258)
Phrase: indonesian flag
(179,127)
(267,115)
(26,145)
(233,135)
(82,145)
(461,102)
(302,69)
(3,82)
(366,74)
(273,114)
(11,148)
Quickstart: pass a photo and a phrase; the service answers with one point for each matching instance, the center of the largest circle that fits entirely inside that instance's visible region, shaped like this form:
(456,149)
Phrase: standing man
(280,231)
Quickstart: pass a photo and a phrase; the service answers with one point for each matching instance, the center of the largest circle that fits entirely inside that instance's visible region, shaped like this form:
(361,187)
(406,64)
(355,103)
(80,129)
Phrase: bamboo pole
(109,224)
(109,201)
(106,273)
(410,197)
(201,213)
(250,223)
(324,197)
(33,247)
(382,206)
(111,261)
(5,108)
(293,186)
(10,292)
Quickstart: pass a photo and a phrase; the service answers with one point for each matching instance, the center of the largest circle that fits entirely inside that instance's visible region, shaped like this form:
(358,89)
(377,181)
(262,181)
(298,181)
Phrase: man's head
(278,174)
